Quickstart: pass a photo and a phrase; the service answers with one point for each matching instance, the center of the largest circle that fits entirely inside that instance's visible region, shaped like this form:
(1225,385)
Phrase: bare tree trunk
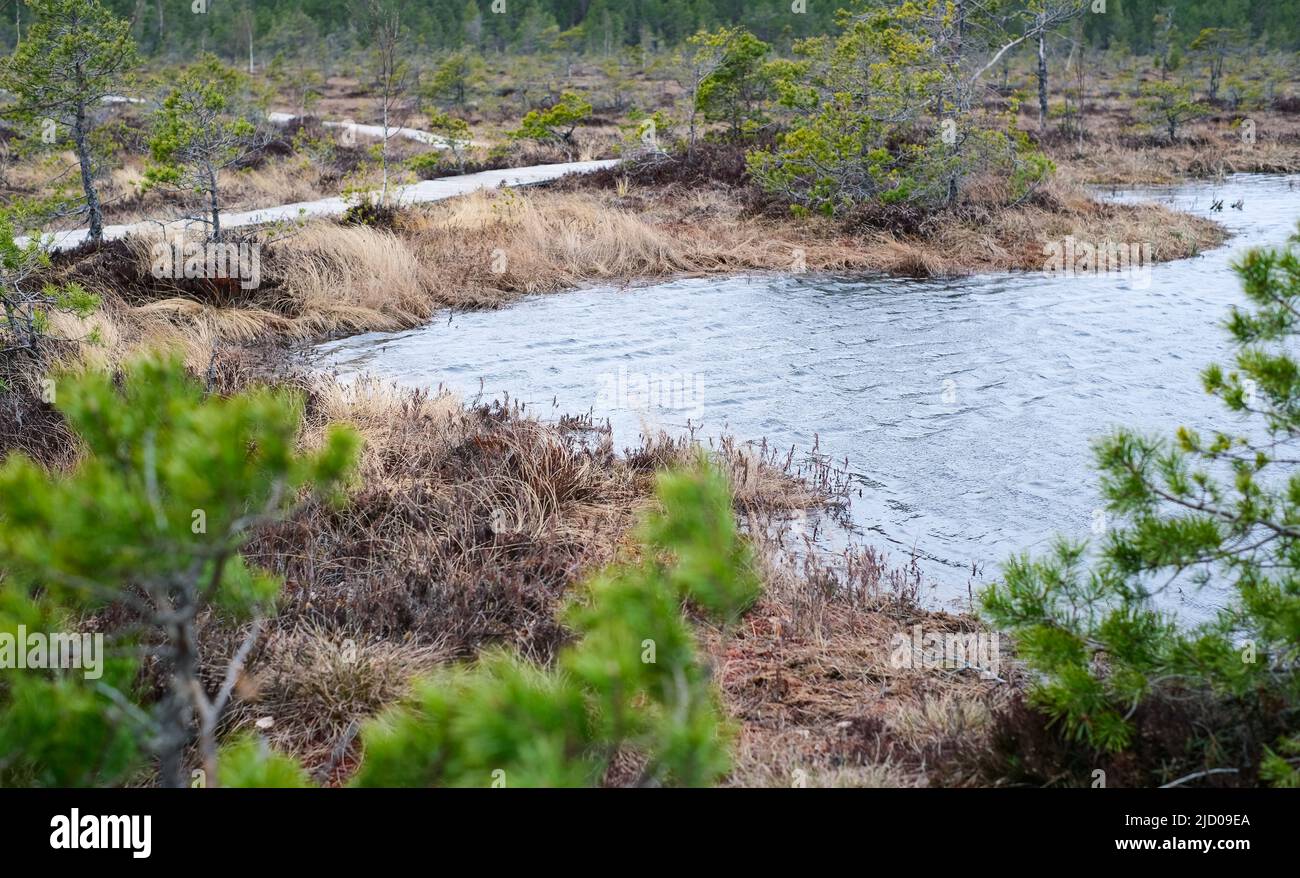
(1042,81)
(392,80)
(137,21)
(383,151)
(695,97)
(214,205)
(179,717)
(80,139)
(248,21)
(1080,55)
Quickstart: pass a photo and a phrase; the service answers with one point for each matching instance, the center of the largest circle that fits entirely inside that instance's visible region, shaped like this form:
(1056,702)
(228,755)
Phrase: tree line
(238,29)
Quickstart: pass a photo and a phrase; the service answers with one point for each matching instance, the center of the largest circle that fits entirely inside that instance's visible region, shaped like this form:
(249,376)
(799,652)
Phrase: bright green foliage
(455,134)
(1282,768)
(631,681)
(1221,509)
(695,546)
(463,724)
(1169,106)
(74,54)
(25,303)
(556,124)
(158,453)
(883,116)
(199,131)
(56,729)
(734,90)
(1245,94)
(247,762)
(150,520)
(455,79)
(653,132)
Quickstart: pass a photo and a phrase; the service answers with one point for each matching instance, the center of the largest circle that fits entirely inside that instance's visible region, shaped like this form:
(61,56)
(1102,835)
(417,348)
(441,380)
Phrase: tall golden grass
(337,278)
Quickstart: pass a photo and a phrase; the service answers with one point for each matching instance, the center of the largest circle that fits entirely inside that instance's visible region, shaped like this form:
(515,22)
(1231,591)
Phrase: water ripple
(965,407)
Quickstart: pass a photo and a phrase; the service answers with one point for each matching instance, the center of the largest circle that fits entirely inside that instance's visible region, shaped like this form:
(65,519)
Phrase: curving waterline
(964,406)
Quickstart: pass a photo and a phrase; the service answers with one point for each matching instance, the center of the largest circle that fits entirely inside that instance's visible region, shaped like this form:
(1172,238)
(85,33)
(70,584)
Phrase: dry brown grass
(336,278)
(1118,150)
(1012,239)
(466,527)
(492,247)
(808,679)
(306,689)
(1216,155)
(560,240)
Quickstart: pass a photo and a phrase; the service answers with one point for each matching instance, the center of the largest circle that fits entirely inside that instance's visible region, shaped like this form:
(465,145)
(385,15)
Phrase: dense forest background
(176,28)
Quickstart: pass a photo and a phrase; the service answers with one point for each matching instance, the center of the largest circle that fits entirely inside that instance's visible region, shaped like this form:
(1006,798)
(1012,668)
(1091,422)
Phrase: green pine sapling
(630,683)
(26,301)
(146,528)
(1221,509)
(200,131)
(72,57)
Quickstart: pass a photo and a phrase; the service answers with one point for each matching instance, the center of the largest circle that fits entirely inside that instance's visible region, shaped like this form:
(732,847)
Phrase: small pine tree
(455,79)
(1221,509)
(150,523)
(455,135)
(1169,106)
(736,88)
(199,132)
(1213,46)
(26,302)
(73,56)
(885,116)
(555,124)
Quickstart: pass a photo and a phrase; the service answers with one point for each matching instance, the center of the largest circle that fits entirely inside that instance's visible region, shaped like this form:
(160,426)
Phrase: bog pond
(964,407)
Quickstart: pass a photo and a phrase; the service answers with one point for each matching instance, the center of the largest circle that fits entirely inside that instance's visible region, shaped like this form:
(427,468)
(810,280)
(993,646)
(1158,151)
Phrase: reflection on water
(964,407)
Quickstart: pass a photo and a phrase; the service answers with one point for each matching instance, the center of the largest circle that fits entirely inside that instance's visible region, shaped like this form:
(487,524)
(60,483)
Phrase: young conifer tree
(1221,509)
(73,56)
(143,535)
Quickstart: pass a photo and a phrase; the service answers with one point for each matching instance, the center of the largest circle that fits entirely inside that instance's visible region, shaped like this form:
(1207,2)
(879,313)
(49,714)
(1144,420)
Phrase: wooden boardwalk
(414,193)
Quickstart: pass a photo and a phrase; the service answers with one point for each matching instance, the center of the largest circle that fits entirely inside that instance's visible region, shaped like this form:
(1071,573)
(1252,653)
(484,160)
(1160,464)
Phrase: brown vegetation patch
(808,677)
(464,529)
(29,425)
(1117,150)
